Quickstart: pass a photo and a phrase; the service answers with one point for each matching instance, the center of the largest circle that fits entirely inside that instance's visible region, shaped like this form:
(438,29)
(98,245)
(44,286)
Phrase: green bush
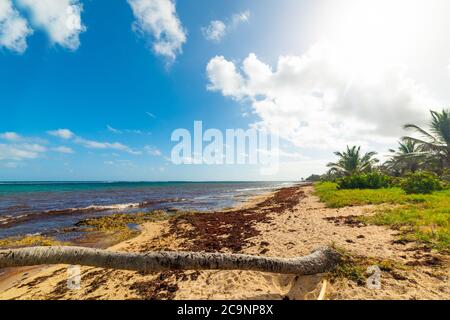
(373,180)
(421,183)
(396,182)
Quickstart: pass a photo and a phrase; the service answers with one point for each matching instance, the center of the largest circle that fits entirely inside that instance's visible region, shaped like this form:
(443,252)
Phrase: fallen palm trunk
(319,261)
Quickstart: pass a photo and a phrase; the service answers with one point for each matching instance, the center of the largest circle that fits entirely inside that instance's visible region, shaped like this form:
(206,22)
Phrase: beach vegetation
(421,182)
(355,267)
(121,225)
(408,157)
(422,218)
(29,241)
(313,178)
(352,161)
(370,180)
(334,197)
(434,142)
(429,152)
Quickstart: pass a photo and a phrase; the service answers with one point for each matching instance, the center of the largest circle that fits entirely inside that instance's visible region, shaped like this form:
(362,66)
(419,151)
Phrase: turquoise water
(50,186)
(49,207)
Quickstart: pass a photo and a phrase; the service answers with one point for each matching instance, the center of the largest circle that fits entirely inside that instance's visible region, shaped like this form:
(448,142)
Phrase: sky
(93,89)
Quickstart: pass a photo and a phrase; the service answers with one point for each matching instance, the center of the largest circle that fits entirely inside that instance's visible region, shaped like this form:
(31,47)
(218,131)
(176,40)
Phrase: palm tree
(351,162)
(436,141)
(407,158)
(321,260)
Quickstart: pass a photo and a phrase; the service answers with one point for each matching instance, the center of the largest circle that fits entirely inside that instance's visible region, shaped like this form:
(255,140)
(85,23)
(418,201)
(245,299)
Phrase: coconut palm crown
(436,141)
(407,158)
(352,161)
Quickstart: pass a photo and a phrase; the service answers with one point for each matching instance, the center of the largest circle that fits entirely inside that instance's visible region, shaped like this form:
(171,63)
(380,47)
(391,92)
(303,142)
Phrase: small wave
(10,220)
(120,206)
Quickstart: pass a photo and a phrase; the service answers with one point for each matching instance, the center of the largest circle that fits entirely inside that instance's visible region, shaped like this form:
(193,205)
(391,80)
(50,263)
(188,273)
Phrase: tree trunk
(319,261)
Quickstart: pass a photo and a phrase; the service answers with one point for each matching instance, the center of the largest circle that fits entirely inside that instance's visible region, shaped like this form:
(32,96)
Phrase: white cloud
(61,19)
(217,29)
(158,19)
(10,136)
(153,151)
(224,77)
(151,115)
(62,133)
(121,131)
(127,164)
(113,130)
(20,152)
(320,99)
(91,144)
(239,18)
(63,149)
(14,29)
(11,165)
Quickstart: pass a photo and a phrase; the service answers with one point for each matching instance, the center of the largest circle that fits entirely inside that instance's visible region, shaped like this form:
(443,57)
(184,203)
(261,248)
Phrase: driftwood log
(319,261)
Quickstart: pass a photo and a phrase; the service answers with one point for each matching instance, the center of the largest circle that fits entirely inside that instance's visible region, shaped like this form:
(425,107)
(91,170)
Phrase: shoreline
(288,222)
(103,241)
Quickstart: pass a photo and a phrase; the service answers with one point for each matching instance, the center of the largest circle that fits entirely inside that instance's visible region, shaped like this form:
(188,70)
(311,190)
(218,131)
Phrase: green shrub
(421,183)
(373,180)
(396,182)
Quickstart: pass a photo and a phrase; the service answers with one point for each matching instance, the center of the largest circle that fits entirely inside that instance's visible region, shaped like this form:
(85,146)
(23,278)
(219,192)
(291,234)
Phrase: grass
(334,198)
(354,268)
(421,218)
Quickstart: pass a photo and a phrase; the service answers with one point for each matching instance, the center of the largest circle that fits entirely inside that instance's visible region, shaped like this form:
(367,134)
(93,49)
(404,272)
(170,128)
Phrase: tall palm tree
(352,161)
(407,158)
(436,141)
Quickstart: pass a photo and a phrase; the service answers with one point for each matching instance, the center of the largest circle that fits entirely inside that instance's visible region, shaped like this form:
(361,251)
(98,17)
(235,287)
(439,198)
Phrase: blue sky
(115,88)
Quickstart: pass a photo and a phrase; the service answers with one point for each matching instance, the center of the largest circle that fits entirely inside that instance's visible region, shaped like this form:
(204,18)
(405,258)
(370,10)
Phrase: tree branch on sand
(319,261)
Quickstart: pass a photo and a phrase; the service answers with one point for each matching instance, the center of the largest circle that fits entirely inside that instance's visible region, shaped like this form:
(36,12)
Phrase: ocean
(46,208)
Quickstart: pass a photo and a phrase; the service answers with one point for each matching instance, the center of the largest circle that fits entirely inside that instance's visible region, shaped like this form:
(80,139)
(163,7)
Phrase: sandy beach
(287,223)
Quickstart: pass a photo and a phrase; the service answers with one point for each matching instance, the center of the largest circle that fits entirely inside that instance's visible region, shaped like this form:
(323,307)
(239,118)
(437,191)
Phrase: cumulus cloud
(158,19)
(61,19)
(14,29)
(217,29)
(62,133)
(20,152)
(319,100)
(224,77)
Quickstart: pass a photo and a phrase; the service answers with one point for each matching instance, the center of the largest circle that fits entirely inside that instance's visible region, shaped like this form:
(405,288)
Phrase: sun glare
(372,35)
